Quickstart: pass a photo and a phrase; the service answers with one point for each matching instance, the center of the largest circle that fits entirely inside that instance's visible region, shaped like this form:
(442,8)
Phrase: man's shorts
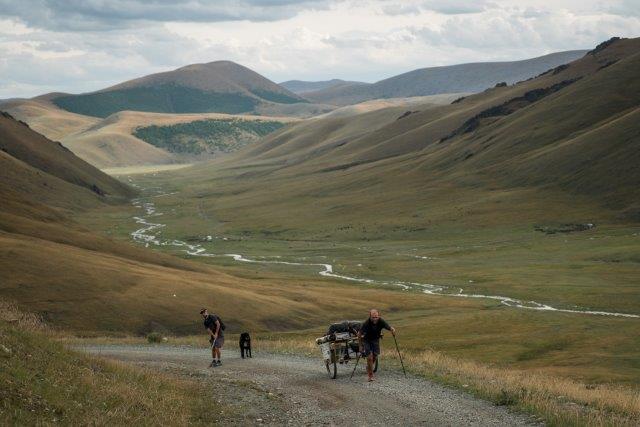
(371,347)
(219,342)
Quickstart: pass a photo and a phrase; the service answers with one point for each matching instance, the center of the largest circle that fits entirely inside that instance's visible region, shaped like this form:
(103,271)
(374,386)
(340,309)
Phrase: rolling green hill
(221,86)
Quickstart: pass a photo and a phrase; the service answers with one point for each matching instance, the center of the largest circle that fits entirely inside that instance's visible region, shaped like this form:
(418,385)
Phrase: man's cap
(203,310)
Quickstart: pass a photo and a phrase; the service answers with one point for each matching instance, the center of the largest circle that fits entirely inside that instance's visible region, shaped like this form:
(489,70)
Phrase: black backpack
(222,325)
(216,317)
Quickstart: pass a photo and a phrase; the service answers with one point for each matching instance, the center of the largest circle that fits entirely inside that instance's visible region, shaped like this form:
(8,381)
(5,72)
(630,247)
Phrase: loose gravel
(280,389)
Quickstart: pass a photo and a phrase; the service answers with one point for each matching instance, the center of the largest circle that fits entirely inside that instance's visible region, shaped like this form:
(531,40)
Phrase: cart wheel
(375,367)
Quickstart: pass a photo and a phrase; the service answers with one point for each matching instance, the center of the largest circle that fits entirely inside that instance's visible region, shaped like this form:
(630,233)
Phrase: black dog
(245,344)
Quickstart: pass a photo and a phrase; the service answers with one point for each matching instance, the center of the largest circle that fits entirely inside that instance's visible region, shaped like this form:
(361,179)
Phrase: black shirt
(210,323)
(371,331)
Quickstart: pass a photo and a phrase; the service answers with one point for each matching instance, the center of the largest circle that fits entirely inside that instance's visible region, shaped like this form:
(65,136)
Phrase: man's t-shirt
(371,331)
(210,323)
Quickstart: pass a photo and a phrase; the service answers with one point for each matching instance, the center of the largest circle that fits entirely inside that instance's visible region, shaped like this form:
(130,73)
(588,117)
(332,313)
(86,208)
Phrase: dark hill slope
(473,77)
(569,135)
(31,152)
(221,86)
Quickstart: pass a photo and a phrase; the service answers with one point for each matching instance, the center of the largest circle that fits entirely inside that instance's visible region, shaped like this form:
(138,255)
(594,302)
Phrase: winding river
(149,232)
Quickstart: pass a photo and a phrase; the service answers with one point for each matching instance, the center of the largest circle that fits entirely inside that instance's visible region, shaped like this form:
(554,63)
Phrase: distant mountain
(221,86)
(473,77)
(300,86)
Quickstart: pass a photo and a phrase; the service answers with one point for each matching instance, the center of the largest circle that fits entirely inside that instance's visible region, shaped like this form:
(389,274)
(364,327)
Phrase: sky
(79,46)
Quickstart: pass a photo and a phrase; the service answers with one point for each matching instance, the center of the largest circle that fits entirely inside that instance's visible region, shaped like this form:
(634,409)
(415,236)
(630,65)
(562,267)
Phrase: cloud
(42,50)
(98,15)
(450,7)
(528,29)
(624,8)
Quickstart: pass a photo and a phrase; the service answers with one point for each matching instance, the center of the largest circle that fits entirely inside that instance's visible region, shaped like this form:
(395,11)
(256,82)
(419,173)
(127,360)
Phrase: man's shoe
(218,362)
(212,364)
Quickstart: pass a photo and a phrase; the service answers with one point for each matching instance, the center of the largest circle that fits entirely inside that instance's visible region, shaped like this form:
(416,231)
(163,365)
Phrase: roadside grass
(43,383)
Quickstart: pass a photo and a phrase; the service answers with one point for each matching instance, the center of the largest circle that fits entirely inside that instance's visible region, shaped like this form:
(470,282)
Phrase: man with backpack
(369,337)
(214,325)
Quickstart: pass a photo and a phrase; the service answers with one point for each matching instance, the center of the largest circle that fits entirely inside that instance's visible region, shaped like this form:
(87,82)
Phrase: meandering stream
(148,234)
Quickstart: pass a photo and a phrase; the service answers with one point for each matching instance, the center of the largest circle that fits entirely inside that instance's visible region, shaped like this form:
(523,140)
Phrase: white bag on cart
(325,348)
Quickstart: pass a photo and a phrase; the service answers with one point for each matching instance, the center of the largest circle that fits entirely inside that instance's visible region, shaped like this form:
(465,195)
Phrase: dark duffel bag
(352,326)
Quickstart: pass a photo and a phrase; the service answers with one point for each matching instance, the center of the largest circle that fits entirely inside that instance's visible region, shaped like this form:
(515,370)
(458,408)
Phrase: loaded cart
(340,345)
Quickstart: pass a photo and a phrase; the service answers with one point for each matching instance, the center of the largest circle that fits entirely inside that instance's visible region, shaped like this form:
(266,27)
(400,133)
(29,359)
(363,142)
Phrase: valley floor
(563,303)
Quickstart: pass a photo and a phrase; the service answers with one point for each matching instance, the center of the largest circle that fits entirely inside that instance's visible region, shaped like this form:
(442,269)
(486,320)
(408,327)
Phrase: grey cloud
(449,7)
(97,15)
(624,8)
(501,31)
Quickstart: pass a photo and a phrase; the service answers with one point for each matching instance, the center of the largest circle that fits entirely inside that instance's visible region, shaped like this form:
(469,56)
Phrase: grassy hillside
(220,87)
(206,136)
(504,135)
(473,77)
(158,99)
(112,142)
(44,383)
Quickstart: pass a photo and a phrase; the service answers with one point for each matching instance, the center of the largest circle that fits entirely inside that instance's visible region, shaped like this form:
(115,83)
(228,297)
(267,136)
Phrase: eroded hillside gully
(148,234)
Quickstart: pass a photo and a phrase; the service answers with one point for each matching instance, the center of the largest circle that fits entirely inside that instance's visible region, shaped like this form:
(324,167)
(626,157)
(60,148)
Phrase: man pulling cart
(346,340)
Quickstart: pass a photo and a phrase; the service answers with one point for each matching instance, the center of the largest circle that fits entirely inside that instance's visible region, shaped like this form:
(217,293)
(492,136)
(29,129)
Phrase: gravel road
(280,389)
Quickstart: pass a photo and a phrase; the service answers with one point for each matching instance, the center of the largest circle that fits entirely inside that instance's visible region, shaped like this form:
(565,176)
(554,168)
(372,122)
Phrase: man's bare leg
(370,361)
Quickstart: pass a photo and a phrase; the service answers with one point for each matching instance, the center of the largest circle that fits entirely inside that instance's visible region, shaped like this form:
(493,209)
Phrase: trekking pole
(354,368)
(399,355)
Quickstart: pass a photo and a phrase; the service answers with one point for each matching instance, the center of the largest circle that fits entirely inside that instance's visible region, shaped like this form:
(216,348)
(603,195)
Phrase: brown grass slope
(47,119)
(82,281)
(111,143)
(579,136)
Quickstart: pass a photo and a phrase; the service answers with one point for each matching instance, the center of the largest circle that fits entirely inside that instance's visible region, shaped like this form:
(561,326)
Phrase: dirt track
(279,389)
